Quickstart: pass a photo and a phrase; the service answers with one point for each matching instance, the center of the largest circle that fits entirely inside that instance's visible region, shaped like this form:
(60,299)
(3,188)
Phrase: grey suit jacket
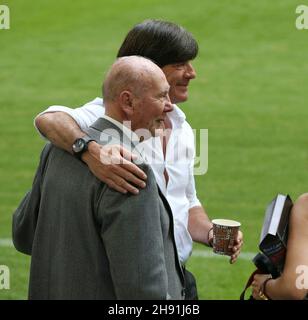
(90,242)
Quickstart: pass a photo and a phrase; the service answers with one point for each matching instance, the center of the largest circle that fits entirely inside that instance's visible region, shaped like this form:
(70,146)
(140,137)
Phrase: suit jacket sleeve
(133,238)
(25,216)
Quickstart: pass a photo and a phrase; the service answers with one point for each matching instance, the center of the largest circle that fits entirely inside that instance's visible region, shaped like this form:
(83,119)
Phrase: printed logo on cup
(224,235)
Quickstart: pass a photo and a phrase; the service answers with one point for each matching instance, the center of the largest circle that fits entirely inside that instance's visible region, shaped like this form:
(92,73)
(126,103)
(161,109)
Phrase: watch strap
(86,140)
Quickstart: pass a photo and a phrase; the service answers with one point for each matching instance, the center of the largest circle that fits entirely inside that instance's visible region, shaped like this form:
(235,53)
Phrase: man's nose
(190,72)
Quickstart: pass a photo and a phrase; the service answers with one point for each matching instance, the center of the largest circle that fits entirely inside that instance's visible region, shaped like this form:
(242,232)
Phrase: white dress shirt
(179,163)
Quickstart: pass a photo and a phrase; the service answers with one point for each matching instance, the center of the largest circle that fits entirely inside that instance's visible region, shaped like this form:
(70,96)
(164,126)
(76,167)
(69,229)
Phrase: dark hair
(161,41)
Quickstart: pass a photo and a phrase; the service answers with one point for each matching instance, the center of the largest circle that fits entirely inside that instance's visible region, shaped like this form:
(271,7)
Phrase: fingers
(239,237)
(234,257)
(238,245)
(117,171)
(133,169)
(237,250)
(256,285)
(125,178)
(127,154)
(117,157)
(114,186)
(119,184)
(116,153)
(255,293)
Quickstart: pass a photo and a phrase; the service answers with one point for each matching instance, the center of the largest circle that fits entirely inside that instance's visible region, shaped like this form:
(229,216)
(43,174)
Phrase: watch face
(78,145)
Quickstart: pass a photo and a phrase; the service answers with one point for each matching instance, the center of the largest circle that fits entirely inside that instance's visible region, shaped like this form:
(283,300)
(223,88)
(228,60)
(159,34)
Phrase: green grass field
(250,93)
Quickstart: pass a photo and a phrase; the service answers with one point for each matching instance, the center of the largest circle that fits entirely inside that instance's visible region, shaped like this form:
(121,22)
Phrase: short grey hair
(133,73)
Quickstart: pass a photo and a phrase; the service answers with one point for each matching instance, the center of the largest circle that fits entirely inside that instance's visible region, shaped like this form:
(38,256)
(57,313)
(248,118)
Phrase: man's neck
(124,127)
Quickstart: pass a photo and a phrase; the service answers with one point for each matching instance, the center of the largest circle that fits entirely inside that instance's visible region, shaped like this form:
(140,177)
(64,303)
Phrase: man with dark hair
(86,240)
(172,48)
(149,39)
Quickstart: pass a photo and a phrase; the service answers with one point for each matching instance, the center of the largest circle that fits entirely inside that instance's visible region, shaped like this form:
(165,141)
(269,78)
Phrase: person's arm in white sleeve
(62,126)
(200,225)
(59,128)
(83,117)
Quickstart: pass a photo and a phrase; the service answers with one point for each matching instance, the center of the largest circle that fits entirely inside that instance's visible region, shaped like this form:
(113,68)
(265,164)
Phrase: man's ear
(126,98)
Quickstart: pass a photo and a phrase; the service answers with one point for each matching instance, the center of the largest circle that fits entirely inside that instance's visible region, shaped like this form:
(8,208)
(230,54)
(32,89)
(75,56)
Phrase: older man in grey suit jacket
(86,240)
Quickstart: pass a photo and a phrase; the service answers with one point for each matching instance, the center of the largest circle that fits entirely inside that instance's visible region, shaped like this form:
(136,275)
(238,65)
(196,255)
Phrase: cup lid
(226,222)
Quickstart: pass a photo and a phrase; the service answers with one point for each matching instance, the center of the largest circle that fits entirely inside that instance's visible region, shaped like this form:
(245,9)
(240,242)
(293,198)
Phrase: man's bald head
(131,73)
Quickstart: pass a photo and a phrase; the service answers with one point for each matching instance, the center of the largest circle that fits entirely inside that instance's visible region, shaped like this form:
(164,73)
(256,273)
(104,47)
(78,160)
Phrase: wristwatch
(80,146)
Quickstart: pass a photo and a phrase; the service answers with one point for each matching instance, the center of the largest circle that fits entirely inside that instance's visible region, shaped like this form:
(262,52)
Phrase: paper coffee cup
(224,235)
